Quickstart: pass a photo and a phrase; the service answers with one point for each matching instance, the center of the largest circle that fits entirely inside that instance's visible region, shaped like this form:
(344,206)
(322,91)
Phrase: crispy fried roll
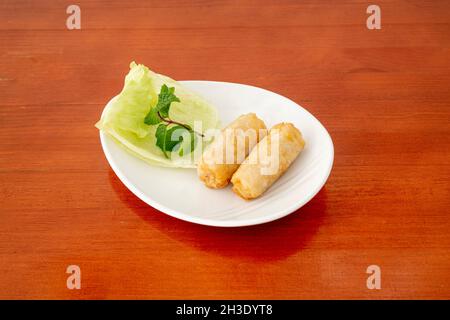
(224,155)
(268,161)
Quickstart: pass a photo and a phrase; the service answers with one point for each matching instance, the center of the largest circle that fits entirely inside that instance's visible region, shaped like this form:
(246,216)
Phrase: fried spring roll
(268,161)
(223,157)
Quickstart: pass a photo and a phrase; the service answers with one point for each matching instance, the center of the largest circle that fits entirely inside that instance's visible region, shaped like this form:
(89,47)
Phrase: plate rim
(211,222)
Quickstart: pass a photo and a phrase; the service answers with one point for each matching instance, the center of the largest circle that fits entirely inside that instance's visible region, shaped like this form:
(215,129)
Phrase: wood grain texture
(383,95)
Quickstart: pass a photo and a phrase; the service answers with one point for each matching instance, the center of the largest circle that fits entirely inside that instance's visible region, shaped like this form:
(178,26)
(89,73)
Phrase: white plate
(179,193)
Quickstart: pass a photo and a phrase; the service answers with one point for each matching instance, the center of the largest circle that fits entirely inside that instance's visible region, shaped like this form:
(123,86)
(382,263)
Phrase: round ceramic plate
(179,192)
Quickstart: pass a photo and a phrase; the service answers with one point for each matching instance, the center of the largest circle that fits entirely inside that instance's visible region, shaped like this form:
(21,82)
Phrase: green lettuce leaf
(124,118)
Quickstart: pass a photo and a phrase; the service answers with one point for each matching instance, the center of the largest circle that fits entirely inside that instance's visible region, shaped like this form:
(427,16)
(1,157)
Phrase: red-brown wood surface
(382,94)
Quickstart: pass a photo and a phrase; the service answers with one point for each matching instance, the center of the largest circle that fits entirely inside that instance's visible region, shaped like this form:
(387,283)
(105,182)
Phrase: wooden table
(382,94)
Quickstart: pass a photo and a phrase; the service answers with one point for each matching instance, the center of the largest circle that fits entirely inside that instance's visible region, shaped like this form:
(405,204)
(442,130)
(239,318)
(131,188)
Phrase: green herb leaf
(168,139)
(174,136)
(152,117)
(160,135)
(165,98)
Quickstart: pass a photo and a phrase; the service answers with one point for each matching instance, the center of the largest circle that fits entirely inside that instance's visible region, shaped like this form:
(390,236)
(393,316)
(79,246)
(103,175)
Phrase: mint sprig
(161,110)
(169,139)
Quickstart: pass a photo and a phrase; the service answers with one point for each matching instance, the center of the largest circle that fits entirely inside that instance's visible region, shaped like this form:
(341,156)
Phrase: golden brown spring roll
(224,155)
(268,161)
